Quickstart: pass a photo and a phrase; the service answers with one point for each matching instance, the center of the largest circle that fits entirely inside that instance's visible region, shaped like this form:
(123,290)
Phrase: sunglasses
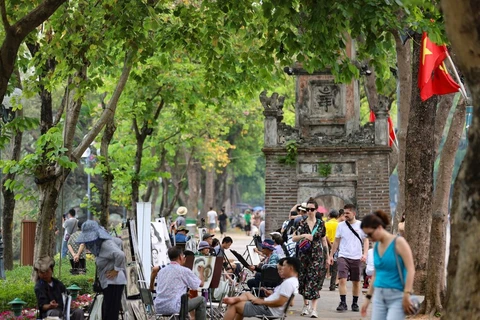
(311,209)
(369,234)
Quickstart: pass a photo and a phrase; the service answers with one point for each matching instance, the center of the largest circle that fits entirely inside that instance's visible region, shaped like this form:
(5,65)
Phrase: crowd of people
(307,249)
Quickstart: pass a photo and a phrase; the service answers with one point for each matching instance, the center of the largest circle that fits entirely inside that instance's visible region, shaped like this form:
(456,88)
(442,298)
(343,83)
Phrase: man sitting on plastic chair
(268,249)
(173,281)
(49,292)
(247,305)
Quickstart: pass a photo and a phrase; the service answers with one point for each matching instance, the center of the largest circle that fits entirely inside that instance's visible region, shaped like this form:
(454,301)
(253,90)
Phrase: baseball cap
(207,235)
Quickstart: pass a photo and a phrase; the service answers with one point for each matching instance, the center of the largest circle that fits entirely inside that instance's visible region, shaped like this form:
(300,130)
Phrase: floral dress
(313,268)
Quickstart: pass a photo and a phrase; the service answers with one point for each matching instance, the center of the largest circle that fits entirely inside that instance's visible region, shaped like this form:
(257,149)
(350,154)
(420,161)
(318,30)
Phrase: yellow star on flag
(425,50)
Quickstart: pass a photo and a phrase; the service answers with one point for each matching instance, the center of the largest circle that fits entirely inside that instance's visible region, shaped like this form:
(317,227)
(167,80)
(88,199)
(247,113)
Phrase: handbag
(97,287)
(305,245)
(415,302)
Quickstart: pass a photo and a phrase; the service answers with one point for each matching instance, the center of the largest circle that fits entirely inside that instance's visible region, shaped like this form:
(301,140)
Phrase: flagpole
(462,88)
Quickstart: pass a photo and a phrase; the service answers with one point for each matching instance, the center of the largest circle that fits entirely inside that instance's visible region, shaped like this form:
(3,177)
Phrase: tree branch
(64,102)
(135,127)
(159,109)
(3,11)
(17,33)
(35,17)
(109,110)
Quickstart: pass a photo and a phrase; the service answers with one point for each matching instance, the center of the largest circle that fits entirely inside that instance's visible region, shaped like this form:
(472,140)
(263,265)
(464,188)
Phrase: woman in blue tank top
(391,300)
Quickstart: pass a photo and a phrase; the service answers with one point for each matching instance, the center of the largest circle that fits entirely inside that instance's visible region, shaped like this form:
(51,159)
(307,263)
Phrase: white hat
(181,211)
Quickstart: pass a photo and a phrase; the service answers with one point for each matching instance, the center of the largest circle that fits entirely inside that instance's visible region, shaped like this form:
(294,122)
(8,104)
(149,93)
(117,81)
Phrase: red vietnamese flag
(441,83)
(433,77)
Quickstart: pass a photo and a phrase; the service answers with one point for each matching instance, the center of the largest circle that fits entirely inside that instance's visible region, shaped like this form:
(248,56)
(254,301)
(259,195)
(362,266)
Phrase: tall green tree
(462,26)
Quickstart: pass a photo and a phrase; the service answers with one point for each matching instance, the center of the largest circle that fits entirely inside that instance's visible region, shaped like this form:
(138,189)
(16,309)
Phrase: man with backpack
(349,240)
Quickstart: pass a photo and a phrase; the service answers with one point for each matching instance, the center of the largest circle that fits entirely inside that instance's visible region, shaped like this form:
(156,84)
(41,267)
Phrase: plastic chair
(182,315)
(285,311)
(269,279)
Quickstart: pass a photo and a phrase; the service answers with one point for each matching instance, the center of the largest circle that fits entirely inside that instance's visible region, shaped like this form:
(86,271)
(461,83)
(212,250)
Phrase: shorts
(212,225)
(247,227)
(251,310)
(349,266)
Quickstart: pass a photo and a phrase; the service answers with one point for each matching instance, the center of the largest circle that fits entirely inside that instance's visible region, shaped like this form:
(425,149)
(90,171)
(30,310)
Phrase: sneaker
(355,307)
(314,314)
(305,310)
(332,288)
(342,307)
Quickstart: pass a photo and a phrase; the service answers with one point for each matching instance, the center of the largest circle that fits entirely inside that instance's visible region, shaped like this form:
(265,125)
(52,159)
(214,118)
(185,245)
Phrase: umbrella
(322,209)
(258,208)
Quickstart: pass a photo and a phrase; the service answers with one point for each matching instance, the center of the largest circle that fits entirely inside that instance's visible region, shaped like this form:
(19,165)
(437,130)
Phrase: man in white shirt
(349,240)
(212,220)
(173,281)
(247,305)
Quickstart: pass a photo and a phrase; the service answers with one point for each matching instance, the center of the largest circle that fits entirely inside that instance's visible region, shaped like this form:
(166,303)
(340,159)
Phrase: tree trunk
(463,29)
(435,289)
(404,73)
(209,200)
(154,200)
(45,232)
(136,174)
(443,110)
(9,202)
(107,175)
(419,163)
(194,174)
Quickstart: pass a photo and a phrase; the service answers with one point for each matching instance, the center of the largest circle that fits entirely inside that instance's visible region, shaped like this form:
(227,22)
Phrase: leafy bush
(19,284)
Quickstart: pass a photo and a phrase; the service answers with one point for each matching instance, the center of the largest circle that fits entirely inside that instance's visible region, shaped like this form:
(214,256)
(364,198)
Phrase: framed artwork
(133,233)
(137,309)
(254,257)
(201,232)
(164,227)
(212,269)
(127,247)
(132,281)
(160,242)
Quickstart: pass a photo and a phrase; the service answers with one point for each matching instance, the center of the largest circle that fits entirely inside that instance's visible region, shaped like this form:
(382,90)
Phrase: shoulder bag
(67,235)
(354,232)
(305,245)
(413,299)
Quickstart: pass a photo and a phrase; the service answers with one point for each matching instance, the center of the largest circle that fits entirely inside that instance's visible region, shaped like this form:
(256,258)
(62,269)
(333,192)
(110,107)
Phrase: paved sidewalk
(329,299)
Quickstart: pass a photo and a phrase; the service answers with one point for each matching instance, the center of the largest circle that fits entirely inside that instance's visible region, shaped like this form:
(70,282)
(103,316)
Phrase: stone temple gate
(334,155)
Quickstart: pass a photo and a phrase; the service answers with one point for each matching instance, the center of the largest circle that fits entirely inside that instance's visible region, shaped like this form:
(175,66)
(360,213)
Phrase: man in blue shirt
(181,235)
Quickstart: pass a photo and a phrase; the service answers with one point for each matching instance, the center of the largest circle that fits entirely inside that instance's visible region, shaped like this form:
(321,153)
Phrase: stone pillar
(381,120)
(273,112)
(381,128)
(270,135)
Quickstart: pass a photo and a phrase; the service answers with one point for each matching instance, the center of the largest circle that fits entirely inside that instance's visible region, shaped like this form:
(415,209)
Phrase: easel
(142,284)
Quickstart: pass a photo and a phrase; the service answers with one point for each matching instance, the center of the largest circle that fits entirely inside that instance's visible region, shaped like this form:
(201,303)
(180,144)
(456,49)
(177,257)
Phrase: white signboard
(144,212)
